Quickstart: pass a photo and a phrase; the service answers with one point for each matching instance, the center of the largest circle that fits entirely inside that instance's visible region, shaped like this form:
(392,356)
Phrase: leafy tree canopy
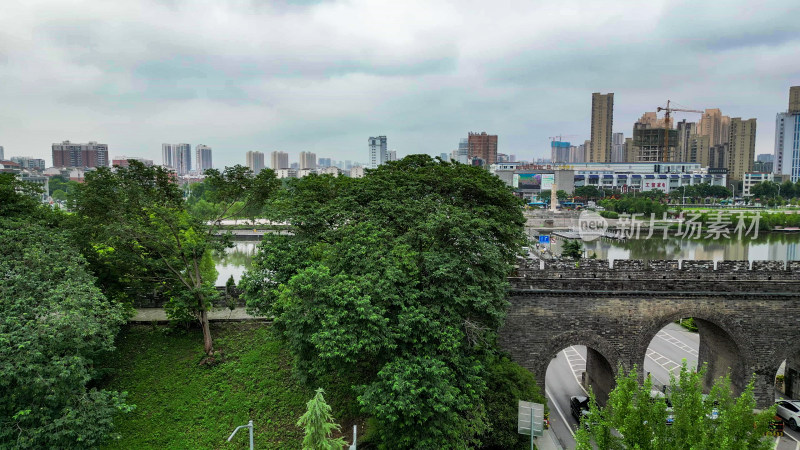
(635,418)
(53,323)
(398,277)
(139,236)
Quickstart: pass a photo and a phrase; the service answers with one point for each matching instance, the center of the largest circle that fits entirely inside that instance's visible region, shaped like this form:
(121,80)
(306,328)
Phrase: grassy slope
(182,405)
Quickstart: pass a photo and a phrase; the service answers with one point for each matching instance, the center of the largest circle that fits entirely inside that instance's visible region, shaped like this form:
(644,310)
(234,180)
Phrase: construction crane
(560,137)
(668,126)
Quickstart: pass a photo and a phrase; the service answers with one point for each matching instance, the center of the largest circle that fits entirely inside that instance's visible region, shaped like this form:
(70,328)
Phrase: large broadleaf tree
(396,281)
(140,238)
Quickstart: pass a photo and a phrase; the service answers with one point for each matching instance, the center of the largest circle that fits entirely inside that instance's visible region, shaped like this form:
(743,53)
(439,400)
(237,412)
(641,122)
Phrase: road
(667,350)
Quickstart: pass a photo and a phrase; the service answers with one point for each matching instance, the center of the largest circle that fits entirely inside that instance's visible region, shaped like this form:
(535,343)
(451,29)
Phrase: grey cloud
(324,75)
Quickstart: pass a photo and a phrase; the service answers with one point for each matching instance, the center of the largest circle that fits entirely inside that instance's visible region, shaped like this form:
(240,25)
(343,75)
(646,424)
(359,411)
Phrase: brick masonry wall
(754,311)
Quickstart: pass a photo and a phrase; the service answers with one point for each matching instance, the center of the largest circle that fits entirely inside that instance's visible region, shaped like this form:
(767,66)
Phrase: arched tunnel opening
(568,379)
(698,342)
(787,378)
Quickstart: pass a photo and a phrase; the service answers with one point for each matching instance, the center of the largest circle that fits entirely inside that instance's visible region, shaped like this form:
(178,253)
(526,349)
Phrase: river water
(767,246)
(235,260)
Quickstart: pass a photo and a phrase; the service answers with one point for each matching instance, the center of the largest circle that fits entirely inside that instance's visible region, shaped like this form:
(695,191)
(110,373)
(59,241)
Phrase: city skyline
(134,81)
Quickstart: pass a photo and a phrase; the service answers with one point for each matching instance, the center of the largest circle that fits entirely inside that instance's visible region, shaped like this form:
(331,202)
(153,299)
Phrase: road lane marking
(561,414)
(677,343)
(666,363)
(577,367)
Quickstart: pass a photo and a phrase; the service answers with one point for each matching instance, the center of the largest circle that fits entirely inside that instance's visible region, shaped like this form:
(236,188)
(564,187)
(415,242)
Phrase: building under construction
(649,143)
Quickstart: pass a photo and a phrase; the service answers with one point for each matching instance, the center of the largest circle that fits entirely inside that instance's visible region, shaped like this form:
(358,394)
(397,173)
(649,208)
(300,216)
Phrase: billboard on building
(536,181)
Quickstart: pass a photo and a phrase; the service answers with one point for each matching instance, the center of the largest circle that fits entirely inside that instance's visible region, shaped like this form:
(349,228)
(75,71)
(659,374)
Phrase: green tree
(506,384)
(139,236)
(639,419)
(545,195)
(573,249)
(17,197)
(53,324)
(561,194)
(395,281)
(589,192)
(319,425)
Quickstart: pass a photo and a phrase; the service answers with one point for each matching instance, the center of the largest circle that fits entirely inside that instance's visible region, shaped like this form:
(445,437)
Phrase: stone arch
(593,342)
(714,325)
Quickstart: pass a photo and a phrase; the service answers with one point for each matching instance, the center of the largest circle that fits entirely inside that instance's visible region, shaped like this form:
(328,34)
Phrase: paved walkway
(149,315)
(548,441)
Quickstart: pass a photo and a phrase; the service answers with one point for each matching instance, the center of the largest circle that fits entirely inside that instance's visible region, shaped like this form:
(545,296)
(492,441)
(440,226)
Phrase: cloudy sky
(323,76)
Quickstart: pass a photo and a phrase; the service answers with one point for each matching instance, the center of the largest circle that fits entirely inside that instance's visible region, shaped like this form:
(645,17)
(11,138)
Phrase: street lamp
(250,427)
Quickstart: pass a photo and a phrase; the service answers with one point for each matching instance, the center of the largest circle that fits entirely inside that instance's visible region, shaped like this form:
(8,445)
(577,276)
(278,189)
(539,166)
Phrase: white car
(789,411)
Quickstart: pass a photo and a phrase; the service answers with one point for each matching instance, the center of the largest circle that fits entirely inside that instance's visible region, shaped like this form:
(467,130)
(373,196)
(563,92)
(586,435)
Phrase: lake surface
(767,246)
(235,260)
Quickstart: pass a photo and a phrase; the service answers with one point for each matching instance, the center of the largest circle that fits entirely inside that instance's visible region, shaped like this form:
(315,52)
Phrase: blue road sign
(544,239)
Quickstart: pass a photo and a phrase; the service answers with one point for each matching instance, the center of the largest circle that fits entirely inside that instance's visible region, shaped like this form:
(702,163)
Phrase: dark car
(579,405)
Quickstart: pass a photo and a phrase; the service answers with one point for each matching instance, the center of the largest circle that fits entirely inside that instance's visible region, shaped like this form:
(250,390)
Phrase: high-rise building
(202,156)
(483,147)
(255,161)
(787,139)
(70,154)
(308,160)
(279,160)
(698,149)
(324,162)
(718,155)
(602,123)
(742,147)
(177,157)
(685,132)
(648,142)
(764,163)
(631,154)
(26,162)
(617,147)
(183,158)
(393,155)
(2,154)
(378,153)
(560,152)
(794,100)
(122,161)
(461,154)
(168,156)
(714,125)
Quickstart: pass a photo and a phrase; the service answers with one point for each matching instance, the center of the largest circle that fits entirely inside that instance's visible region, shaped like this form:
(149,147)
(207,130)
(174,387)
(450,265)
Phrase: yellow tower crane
(668,126)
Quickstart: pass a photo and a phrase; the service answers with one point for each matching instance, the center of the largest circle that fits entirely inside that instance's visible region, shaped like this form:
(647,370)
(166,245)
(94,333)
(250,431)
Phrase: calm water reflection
(773,246)
(767,246)
(235,260)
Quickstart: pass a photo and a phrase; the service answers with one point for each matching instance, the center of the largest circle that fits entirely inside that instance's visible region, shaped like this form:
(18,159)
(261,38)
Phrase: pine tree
(319,425)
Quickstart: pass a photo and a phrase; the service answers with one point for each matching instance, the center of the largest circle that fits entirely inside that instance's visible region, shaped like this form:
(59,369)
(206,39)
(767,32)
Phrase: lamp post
(250,427)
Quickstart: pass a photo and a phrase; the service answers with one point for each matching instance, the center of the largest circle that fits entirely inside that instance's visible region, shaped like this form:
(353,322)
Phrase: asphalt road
(666,352)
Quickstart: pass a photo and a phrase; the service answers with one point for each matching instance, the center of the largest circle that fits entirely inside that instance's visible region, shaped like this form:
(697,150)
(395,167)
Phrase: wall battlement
(660,275)
(637,265)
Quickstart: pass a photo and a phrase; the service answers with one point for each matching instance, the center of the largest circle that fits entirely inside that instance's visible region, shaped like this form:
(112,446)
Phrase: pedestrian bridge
(748,317)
